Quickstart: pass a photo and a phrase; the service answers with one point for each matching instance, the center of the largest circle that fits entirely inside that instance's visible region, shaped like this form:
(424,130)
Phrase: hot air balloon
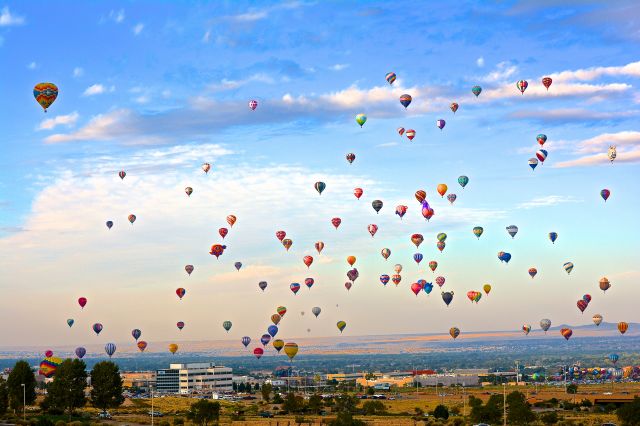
(427,287)
(217,250)
(476,90)
(316,311)
(586,298)
(541,138)
(262,285)
(477,231)
(441,245)
(281,310)
(384,279)
(238,265)
(396,279)
(48,353)
(447,297)
(80,352)
(180,292)
(526,328)
(278,344)
(441,237)
(463,181)
(416,288)
(173,348)
(110,349)
(487,289)
(440,123)
(280,235)
(440,281)
(545,324)
(597,319)
(189,269)
(522,85)
(49,366)
(566,333)
(405,100)
(504,257)
(471,295)
(109,224)
(410,134)
(372,228)
(623,327)
(582,305)
(417,239)
(142,345)
(188,190)
(377,205)
(348,285)
(398,268)
(307,260)
(417,258)
(553,236)
(454,107)
(454,332)
(433,265)
(614,358)
(351,157)
(275,319)
(533,163)
(353,274)
(309,282)
(541,155)
(401,131)
(358,192)
(341,325)
(253,104)
(246,340)
(206,167)
(223,232)
(605,193)
(231,220)
(136,333)
(265,339)
(70,322)
(180,325)
(546,82)
(294,287)
(420,195)
(361,119)
(568,267)
(401,211)
(320,186)
(611,153)
(385,252)
(336,221)
(512,230)
(227,325)
(604,284)
(291,349)
(390,77)
(132,218)
(97,328)
(533,272)
(258,352)
(45,94)
(82,301)
(442,189)
(452,198)
(287,243)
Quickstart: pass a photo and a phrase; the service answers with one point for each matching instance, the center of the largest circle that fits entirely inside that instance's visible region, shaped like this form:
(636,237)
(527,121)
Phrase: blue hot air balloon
(384,279)
(110,349)
(109,224)
(70,322)
(417,257)
(427,287)
(614,358)
(265,339)
(553,236)
(447,297)
(246,340)
(463,181)
(272,330)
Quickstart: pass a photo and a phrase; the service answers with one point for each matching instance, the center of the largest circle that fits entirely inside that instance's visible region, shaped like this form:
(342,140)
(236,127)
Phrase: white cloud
(67,120)
(78,72)
(572,114)
(387,144)
(32,66)
(101,127)
(339,67)
(602,142)
(137,29)
(593,92)
(250,16)
(7,19)
(206,37)
(97,89)
(480,62)
(226,84)
(587,74)
(550,200)
(593,151)
(502,72)
(117,16)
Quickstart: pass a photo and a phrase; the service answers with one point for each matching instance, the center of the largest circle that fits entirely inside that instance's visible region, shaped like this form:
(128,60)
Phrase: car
(266,414)
(104,415)
(155,414)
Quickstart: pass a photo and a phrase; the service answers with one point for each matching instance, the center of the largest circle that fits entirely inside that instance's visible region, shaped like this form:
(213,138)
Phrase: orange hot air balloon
(275,319)
(173,348)
(417,239)
(351,260)
(605,284)
(566,333)
(231,219)
(420,195)
(291,349)
(142,345)
(442,189)
(287,243)
(319,246)
(623,327)
(308,260)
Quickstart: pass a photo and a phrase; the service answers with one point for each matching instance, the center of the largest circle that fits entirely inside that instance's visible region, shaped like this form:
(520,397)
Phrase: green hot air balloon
(463,181)
(476,90)
(361,119)
(477,231)
(227,325)
(442,237)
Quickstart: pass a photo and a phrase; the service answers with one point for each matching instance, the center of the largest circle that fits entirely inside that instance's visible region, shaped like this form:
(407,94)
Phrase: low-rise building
(198,377)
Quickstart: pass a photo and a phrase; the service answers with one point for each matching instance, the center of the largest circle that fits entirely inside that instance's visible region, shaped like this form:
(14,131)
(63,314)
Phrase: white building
(198,377)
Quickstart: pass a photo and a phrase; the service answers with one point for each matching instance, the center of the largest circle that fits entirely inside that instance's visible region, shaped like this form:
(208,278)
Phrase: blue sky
(159,88)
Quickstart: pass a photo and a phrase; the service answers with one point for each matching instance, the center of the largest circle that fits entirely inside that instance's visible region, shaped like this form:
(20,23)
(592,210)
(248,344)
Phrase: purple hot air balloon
(80,352)
(97,328)
(265,339)
(309,282)
(452,198)
(110,349)
(246,340)
(441,123)
(136,334)
(262,285)
(353,274)
(605,193)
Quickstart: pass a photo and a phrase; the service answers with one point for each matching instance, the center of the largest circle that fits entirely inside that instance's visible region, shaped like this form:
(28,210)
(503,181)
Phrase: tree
(21,374)
(4,396)
(345,403)
(66,392)
(266,391)
(572,389)
(441,412)
(490,413)
(204,411)
(550,418)
(519,412)
(629,414)
(315,403)
(370,391)
(106,385)
(242,387)
(371,408)
(293,403)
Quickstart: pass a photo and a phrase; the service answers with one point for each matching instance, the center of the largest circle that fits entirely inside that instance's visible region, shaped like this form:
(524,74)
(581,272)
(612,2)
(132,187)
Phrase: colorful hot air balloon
(258,352)
(309,282)
(294,287)
(586,298)
(417,258)
(142,345)
(231,220)
(377,205)
(512,230)
(553,236)
(320,186)
(278,344)
(477,231)
(372,228)
(546,82)
(275,319)
(287,243)
(280,235)
(189,269)
(476,90)
(454,107)
(45,94)
(582,305)
(180,325)
(545,324)
(188,190)
(223,232)
(541,138)
(206,167)
(463,181)
(136,333)
(358,192)
(341,325)
(396,278)
(281,310)
(245,341)
(401,211)
(132,218)
(384,279)
(361,119)
(291,349)
(70,322)
(253,104)
(110,349)
(49,366)
(420,195)
(227,325)
(623,327)
(614,358)
(351,157)
(410,134)
(82,301)
(522,85)
(97,328)
(401,131)
(566,333)
(447,297)
(597,319)
(433,265)
(180,292)
(604,284)
(533,272)
(605,193)
(487,289)
(454,332)
(390,77)
(417,239)
(80,352)
(442,189)
(441,237)
(533,163)
(427,212)
(336,221)
(612,153)
(217,250)
(541,155)
(405,100)
(440,281)
(265,339)
(452,198)
(441,245)
(398,268)
(526,328)
(109,224)
(568,267)
(385,252)
(173,348)
(440,123)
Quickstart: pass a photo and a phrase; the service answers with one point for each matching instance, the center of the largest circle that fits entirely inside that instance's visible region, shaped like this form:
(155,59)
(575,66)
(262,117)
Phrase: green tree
(519,412)
(242,387)
(629,414)
(345,405)
(4,396)
(315,403)
(106,385)
(266,391)
(370,391)
(66,392)
(441,412)
(203,412)
(572,389)
(550,418)
(371,408)
(21,374)
(293,403)
(490,413)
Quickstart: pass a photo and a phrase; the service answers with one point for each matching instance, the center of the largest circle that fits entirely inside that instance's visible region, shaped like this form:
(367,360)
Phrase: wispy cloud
(603,141)
(227,84)
(137,29)
(8,19)
(78,72)
(97,89)
(550,200)
(593,151)
(387,144)
(502,72)
(66,120)
(564,115)
(32,66)
(206,37)
(250,16)
(117,16)
(480,62)
(588,74)
(339,67)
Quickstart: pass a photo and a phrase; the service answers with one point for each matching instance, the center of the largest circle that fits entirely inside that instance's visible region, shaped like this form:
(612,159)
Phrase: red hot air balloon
(358,192)
(180,325)
(122,174)
(217,250)
(319,246)
(350,157)
(410,134)
(582,305)
(223,232)
(401,131)
(546,82)
(294,287)
(308,260)
(48,353)
(258,352)
(396,279)
(82,302)
(280,235)
(181,292)
(433,265)
(372,228)
(336,221)
(348,285)
(231,219)
(420,195)
(416,288)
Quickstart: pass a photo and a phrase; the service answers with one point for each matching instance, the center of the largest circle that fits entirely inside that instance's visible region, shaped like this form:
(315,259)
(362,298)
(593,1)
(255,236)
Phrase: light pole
(24,401)
(504,404)
(152,413)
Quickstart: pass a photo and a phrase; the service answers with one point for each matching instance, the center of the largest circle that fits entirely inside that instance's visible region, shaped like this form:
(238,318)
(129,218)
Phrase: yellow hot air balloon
(351,260)
(278,344)
(291,349)
(341,325)
(173,348)
(487,289)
